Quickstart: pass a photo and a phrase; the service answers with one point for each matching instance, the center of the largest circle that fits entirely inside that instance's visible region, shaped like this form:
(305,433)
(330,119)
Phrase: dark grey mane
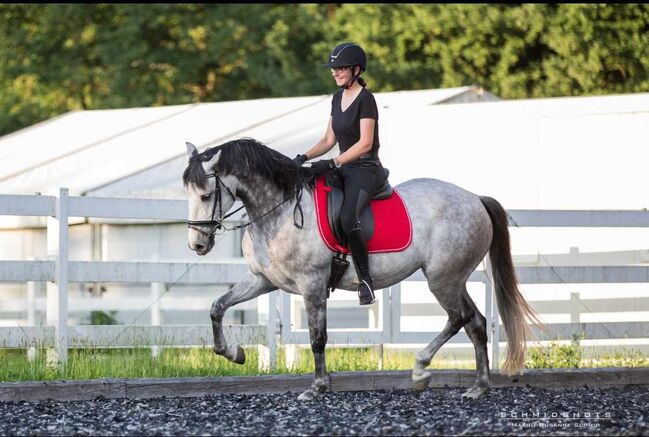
(247,158)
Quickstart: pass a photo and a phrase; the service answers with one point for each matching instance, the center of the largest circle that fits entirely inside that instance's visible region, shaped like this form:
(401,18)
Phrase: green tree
(60,57)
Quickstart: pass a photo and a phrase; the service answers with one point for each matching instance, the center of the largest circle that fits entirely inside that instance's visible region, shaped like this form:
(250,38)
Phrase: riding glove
(299,160)
(323,166)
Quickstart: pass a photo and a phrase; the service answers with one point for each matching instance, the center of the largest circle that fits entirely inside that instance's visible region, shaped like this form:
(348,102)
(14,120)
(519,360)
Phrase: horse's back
(450,224)
(439,197)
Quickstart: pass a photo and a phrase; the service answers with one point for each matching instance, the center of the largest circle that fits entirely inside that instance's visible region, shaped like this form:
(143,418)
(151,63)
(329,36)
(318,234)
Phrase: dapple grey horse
(453,230)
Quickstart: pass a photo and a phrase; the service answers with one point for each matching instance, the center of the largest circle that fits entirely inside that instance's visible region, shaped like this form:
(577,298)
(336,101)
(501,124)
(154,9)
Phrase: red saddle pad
(392,225)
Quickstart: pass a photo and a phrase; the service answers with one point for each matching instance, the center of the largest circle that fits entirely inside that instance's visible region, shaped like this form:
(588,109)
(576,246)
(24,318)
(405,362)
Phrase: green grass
(187,362)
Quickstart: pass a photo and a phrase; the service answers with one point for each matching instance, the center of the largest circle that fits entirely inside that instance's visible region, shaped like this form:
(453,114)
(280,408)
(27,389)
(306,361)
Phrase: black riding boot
(358,247)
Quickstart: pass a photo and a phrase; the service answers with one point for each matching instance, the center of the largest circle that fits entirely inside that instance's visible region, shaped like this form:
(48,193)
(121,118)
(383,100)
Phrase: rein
(217,224)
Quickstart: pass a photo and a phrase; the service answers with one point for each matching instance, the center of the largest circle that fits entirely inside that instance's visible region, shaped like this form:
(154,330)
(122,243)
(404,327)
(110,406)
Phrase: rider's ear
(191,149)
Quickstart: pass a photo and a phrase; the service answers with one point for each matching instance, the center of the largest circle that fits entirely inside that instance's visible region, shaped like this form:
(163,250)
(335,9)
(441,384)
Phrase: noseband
(214,224)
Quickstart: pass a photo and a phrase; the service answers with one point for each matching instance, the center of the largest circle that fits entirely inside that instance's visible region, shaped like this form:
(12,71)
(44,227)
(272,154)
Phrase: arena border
(135,388)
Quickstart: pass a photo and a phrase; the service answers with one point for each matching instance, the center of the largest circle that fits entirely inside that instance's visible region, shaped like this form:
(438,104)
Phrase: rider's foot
(366,293)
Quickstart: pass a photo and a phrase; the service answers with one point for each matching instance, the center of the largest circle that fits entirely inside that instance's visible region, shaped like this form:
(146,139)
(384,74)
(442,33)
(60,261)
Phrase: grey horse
(453,230)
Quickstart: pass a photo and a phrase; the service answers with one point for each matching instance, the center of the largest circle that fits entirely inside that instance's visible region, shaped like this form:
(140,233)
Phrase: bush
(555,355)
(103,318)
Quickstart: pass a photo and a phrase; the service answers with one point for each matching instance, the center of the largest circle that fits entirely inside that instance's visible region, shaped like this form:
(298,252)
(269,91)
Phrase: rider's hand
(323,166)
(299,160)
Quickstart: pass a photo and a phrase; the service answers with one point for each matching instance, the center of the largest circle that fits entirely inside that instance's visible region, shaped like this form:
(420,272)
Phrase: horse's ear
(191,149)
(212,162)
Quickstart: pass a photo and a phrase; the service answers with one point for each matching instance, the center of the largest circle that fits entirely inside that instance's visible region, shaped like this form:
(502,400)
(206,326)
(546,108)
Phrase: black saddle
(335,202)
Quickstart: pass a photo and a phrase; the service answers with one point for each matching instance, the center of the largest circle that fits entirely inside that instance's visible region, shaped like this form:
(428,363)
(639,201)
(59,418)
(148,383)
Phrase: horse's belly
(386,270)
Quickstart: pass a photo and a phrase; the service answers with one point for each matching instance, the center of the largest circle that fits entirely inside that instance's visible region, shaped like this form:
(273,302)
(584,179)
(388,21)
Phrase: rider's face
(341,75)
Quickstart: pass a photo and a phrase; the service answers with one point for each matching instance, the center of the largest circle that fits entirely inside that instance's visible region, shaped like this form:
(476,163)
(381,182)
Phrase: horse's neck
(260,199)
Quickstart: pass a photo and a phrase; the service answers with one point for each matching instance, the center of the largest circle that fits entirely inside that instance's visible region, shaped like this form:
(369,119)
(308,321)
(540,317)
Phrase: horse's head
(210,196)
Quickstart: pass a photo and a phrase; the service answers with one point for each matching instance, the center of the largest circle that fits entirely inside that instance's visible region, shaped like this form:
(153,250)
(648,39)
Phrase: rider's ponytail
(361,81)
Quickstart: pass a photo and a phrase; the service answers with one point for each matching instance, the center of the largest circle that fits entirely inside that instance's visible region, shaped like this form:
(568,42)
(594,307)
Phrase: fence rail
(58,271)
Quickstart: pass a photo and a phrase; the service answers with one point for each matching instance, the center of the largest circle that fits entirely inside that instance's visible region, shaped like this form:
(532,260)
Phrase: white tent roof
(140,151)
(555,153)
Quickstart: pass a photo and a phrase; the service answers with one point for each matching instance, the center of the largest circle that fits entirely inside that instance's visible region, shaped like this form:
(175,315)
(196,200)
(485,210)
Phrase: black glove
(323,166)
(299,160)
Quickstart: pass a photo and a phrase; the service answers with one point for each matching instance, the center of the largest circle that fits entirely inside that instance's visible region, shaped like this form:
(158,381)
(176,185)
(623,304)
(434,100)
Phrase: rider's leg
(359,184)
(360,259)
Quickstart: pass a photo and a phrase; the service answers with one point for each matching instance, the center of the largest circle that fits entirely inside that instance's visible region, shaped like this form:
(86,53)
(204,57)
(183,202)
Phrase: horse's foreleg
(316,310)
(251,287)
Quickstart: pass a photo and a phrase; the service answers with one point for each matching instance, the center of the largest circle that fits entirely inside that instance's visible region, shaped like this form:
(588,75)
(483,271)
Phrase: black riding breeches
(360,183)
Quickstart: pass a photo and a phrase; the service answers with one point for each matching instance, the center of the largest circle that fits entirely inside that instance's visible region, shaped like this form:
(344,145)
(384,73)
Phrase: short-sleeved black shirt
(347,125)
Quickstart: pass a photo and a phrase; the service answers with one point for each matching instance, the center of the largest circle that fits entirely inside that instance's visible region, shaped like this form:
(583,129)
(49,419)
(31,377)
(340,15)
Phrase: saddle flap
(335,199)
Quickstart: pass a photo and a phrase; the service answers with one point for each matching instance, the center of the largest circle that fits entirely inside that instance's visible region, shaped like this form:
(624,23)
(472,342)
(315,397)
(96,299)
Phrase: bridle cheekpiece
(215,224)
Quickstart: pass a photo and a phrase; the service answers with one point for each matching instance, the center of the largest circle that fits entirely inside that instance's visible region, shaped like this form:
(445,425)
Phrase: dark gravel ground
(503,411)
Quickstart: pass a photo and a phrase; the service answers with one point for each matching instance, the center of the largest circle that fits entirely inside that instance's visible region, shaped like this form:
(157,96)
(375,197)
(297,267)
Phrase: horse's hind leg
(450,297)
(476,330)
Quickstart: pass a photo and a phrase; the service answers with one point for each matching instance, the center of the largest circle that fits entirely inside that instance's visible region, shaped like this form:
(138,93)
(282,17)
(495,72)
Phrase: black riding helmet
(348,54)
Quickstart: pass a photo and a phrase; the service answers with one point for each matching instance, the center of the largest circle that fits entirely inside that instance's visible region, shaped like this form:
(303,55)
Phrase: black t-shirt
(347,125)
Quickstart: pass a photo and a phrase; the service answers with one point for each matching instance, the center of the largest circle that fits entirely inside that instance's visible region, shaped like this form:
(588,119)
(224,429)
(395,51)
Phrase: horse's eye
(206,197)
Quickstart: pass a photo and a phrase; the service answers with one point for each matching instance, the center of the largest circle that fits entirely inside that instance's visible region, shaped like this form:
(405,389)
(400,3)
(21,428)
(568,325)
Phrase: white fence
(58,271)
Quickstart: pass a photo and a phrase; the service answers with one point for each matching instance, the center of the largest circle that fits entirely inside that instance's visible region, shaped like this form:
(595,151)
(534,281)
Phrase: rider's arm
(363,145)
(325,144)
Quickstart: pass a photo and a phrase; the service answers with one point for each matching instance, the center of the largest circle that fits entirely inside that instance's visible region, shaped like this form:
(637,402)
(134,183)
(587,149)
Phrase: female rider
(354,125)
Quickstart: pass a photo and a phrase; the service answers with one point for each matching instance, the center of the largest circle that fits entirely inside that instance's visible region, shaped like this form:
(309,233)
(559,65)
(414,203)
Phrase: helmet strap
(351,81)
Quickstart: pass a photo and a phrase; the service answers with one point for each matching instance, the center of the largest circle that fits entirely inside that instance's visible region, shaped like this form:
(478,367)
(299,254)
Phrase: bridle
(217,224)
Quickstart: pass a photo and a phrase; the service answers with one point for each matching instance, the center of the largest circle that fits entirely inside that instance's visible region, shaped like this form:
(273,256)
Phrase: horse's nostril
(199,248)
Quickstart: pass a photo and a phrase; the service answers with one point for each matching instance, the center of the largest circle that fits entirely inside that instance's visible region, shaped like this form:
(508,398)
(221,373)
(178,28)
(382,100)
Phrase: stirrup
(366,298)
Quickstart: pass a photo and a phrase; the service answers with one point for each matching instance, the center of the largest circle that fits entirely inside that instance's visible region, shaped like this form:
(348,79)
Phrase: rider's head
(347,62)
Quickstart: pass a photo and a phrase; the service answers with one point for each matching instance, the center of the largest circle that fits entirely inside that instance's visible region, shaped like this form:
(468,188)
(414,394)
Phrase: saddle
(385,222)
(335,199)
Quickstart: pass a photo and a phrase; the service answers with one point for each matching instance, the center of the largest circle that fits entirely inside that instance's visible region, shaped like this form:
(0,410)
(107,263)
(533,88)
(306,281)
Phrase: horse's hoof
(308,395)
(474,392)
(234,353)
(420,382)
(240,356)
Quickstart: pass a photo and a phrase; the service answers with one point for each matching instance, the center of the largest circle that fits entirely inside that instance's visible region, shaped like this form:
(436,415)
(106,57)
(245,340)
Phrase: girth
(335,202)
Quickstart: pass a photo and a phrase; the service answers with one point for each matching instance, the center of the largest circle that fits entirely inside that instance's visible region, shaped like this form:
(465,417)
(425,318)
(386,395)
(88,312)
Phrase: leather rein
(217,224)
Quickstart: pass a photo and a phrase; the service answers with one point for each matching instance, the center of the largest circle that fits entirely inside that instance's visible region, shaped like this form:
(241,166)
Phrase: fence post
(57,291)
(495,320)
(290,349)
(157,289)
(31,315)
(395,313)
(487,313)
(386,330)
(271,330)
(267,353)
(374,317)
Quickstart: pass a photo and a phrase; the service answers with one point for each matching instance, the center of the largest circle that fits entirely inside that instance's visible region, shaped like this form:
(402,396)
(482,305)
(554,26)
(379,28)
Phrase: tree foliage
(60,57)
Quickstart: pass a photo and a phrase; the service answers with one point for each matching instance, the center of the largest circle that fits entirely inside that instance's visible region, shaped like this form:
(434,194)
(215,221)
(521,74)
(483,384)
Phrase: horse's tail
(513,308)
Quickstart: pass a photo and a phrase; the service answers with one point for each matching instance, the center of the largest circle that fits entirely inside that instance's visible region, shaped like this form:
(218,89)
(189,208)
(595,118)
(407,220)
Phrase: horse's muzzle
(203,249)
